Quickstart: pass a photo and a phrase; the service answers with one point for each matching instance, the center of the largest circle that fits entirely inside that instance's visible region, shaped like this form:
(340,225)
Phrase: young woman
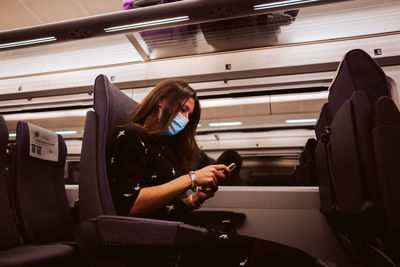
(150,160)
(151,155)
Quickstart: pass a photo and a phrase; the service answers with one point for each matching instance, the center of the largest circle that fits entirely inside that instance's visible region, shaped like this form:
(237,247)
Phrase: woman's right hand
(212,175)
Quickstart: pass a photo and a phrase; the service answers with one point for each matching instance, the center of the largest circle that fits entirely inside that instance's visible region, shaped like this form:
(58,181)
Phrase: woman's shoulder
(128,131)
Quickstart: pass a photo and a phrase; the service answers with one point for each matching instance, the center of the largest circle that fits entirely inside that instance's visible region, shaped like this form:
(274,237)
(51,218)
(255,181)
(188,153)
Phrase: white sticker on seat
(43,143)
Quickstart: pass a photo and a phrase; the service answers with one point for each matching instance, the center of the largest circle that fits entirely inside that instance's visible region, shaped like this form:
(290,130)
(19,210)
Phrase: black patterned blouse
(137,160)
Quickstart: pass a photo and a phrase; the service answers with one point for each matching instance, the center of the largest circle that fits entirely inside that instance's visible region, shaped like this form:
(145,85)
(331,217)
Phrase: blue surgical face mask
(177,125)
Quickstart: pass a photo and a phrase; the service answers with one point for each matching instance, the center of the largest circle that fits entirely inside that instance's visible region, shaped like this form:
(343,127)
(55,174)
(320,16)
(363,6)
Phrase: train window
(71,173)
(273,171)
(270,170)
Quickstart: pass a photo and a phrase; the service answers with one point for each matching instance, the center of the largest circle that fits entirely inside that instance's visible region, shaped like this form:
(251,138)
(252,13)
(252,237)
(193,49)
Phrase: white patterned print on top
(170,208)
(121,133)
(137,187)
(173,172)
(112,160)
(154,176)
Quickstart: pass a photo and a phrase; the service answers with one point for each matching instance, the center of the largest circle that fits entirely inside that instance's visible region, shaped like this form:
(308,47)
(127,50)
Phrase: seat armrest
(201,217)
(127,231)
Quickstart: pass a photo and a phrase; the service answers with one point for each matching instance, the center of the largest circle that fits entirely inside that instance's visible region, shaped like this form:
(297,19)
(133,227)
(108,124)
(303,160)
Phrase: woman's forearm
(154,197)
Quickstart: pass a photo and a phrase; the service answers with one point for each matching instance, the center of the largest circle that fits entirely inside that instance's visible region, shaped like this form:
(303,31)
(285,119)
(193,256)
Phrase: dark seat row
(358,164)
(304,173)
(36,203)
(46,229)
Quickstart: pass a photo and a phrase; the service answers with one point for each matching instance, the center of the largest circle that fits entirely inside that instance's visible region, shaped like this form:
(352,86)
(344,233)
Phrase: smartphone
(232,166)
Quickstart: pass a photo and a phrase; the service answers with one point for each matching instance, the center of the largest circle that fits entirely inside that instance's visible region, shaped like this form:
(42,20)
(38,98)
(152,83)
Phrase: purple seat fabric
(40,195)
(111,108)
(357,71)
(160,35)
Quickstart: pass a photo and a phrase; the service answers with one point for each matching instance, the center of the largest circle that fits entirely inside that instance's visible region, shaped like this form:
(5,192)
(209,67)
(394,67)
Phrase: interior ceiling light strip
(66,132)
(217,124)
(146,24)
(302,121)
(28,42)
(282,4)
(58,132)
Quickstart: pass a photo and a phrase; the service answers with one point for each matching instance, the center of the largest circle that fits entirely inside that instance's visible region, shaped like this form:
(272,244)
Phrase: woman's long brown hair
(182,146)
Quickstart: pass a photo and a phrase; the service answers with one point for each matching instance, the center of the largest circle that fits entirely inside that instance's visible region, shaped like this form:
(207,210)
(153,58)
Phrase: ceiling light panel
(85,53)
(282,4)
(28,42)
(147,24)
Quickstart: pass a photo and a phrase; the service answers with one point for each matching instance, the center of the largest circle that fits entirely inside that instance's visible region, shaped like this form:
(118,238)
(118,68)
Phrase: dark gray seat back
(8,231)
(40,195)
(386,139)
(111,108)
(354,173)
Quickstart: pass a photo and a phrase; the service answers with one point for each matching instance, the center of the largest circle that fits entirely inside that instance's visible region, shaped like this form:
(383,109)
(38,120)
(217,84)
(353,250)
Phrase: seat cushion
(35,255)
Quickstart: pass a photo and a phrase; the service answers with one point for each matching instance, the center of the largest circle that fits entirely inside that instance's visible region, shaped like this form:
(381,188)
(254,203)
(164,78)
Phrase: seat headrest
(43,143)
(357,71)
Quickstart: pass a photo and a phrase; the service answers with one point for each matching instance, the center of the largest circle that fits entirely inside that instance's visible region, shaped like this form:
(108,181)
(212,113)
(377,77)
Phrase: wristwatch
(194,182)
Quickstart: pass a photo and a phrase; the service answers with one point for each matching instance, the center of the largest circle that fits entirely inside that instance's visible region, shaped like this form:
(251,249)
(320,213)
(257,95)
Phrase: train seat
(304,173)
(357,72)
(307,159)
(350,191)
(100,226)
(324,120)
(40,196)
(386,140)
(360,191)
(11,254)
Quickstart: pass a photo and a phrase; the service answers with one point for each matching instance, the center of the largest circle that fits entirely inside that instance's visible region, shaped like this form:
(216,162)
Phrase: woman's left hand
(202,194)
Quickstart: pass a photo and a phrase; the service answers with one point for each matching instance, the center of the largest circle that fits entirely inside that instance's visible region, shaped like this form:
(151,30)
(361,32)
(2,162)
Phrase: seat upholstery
(354,173)
(111,108)
(7,228)
(304,173)
(386,137)
(356,164)
(365,179)
(10,253)
(40,195)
